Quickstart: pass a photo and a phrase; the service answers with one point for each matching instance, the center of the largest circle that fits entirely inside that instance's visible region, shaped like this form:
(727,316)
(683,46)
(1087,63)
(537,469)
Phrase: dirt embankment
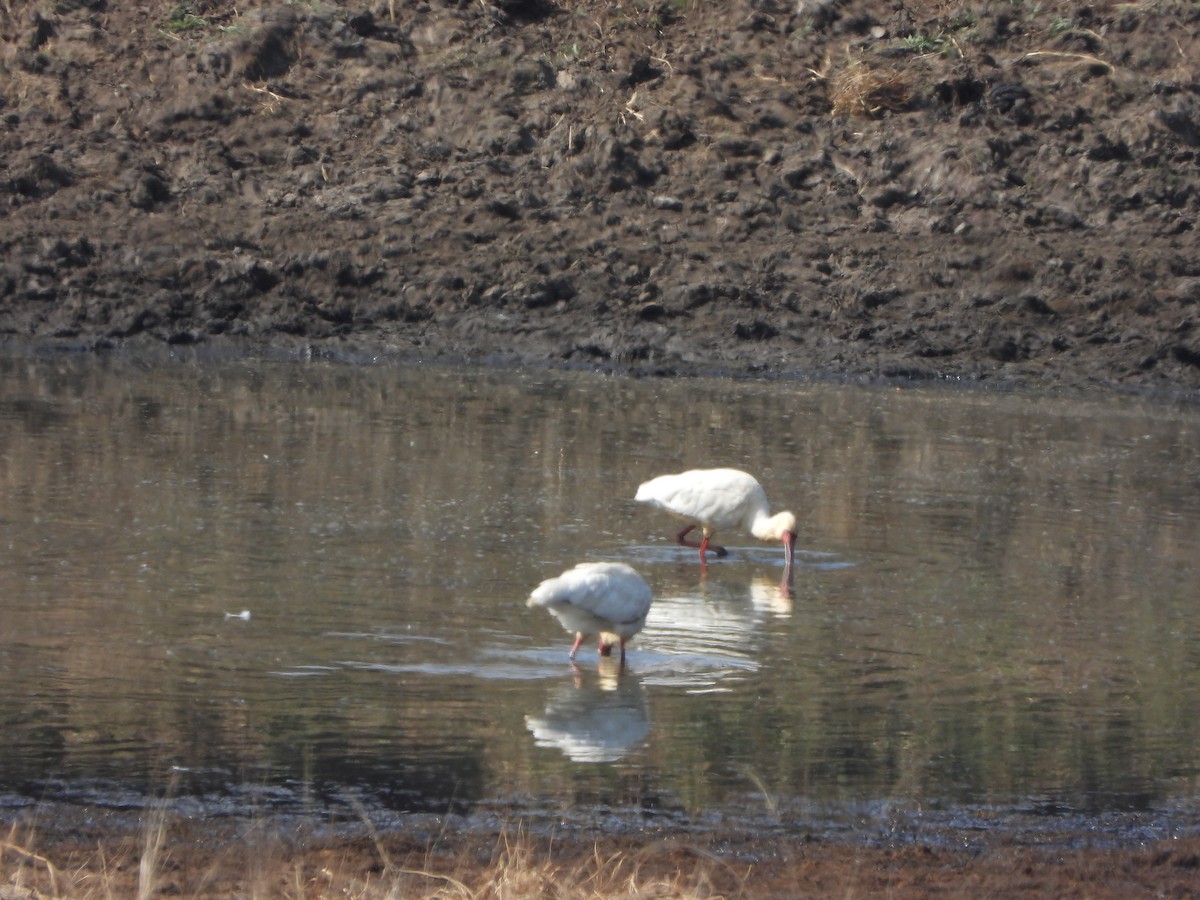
(1006,192)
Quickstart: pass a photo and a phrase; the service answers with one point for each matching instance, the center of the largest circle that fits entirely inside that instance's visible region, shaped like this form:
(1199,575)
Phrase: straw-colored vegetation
(864,90)
(511,865)
(867,85)
(209,862)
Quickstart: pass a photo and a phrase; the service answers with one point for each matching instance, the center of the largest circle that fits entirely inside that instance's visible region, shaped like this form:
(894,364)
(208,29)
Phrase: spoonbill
(605,598)
(716,499)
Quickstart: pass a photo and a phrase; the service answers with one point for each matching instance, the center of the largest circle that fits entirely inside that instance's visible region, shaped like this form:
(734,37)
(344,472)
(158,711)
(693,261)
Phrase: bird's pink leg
(704,545)
(575,646)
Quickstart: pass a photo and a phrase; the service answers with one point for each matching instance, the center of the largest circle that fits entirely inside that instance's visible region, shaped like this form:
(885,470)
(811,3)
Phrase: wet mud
(101,851)
(921,190)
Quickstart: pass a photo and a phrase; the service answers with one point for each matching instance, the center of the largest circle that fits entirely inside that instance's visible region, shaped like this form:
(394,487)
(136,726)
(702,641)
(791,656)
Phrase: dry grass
(1058,55)
(163,861)
(18,857)
(862,89)
(221,859)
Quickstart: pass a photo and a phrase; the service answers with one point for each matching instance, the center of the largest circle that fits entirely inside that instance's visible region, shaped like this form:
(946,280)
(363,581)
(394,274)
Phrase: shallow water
(300,587)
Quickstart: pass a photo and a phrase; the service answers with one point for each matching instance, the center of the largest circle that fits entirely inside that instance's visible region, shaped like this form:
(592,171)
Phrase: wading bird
(716,499)
(604,598)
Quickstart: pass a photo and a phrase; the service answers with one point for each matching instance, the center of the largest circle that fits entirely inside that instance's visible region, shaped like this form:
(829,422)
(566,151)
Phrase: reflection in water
(595,717)
(695,639)
(771,599)
(994,603)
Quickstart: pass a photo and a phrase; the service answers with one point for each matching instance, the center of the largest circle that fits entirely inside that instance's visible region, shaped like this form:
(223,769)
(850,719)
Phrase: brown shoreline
(223,859)
(65,850)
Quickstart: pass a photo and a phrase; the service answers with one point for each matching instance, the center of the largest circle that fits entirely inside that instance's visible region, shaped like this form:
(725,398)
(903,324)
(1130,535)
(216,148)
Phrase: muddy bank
(924,190)
(100,854)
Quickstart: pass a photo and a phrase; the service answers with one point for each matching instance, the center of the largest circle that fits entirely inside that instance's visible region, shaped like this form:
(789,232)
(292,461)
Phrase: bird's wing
(613,592)
(717,497)
(674,493)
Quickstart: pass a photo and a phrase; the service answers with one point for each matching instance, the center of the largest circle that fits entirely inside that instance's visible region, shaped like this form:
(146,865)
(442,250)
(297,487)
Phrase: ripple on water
(756,554)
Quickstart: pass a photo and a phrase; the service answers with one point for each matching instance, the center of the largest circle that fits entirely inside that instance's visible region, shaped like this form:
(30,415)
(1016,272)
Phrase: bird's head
(783,527)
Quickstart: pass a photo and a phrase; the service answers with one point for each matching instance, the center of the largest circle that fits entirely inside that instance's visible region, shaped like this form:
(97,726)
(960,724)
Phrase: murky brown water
(995,605)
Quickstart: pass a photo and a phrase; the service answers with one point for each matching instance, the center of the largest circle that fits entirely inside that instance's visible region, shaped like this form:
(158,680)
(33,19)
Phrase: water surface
(300,586)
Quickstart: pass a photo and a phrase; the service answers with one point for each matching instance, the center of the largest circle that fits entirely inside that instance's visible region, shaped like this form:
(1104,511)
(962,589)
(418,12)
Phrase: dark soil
(1004,193)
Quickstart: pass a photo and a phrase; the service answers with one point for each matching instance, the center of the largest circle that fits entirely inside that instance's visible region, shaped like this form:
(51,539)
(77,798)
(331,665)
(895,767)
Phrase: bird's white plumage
(602,598)
(716,499)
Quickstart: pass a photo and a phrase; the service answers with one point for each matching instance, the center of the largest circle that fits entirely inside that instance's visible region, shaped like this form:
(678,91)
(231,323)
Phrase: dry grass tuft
(17,880)
(169,856)
(868,91)
(523,868)
(211,860)
(154,839)
(1053,55)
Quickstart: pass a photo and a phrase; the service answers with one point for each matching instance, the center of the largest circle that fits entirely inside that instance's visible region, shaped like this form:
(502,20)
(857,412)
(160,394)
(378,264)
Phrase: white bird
(604,598)
(720,498)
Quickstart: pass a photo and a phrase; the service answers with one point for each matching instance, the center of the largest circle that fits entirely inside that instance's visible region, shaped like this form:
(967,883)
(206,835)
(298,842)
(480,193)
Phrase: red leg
(575,646)
(705,546)
(682,537)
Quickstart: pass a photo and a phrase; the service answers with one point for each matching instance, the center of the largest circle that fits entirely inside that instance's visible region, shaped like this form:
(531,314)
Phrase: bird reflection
(594,717)
(717,620)
(770,598)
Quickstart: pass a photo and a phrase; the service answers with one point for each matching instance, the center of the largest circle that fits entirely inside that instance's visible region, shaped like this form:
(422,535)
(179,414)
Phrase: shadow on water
(300,589)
